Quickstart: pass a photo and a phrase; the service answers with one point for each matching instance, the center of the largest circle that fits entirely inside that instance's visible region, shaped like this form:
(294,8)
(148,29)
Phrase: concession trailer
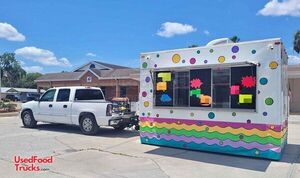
(224,97)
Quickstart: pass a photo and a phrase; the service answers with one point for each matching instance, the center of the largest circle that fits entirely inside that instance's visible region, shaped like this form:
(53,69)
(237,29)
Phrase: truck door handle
(65,106)
(50,105)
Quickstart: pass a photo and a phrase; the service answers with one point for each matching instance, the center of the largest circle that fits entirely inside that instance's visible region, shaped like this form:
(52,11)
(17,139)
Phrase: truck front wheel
(28,119)
(88,124)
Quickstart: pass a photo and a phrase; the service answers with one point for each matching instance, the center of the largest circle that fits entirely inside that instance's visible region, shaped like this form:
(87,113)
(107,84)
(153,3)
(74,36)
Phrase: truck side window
(48,96)
(63,95)
(88,94)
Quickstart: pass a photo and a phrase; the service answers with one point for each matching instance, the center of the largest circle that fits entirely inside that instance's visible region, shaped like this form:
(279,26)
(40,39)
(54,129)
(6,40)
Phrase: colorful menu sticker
(196,92)
(245,98)
(166,76)
(205,100)
(235,90)
(161,86)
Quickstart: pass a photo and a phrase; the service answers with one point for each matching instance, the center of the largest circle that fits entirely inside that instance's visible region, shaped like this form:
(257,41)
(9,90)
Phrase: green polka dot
(211,115)
(171,111)
(211,50)
(145,64)
(148,113)
(198,52)
(269,101)
(233,114)
(192,114)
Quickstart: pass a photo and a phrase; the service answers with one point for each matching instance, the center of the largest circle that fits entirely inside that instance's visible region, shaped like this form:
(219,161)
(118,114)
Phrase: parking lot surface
(119,154)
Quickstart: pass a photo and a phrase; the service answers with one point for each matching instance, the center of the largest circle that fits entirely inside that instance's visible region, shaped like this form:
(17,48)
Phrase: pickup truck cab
(82,106)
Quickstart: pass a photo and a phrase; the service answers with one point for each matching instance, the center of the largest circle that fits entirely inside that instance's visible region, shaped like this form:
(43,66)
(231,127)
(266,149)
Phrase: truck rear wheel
(88,124)
(28,119)
(120,127)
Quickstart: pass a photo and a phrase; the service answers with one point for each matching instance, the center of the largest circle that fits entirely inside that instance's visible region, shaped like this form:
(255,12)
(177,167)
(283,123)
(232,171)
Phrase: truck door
(62,107)
(45,106)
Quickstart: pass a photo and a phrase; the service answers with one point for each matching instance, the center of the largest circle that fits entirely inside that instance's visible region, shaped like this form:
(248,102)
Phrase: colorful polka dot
(183,61)
(198,51)
(171,111)
(145,65)
(155,65)
(147,79)
(235,49)
(144,94)
(157,115)
(157,55)
(273,65)
(192,60)
(265,113)
(263,81)
(143,114)
(269,101)
(192,114)
(257,152)
(221,59)
(221,142)
(211,115)
(151,90)
(205,61)
(233,113)
(233,57)
(146,103)
(249,121)
(211,50)
(241,137)
(176,58)
(169,131)
(253,51)
(148,113)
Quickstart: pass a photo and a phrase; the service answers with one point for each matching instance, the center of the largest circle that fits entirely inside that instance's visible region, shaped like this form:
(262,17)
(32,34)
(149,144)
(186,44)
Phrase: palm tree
(297,41)
(235,39)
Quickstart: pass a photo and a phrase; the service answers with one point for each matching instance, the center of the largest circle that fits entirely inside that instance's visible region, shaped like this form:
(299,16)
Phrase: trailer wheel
(88,124)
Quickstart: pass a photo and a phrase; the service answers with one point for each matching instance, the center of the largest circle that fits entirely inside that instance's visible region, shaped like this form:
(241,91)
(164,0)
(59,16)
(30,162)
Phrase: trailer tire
(120,127)
(88,124)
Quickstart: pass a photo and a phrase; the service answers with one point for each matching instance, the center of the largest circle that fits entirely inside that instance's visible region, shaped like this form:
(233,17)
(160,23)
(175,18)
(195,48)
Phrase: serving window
(231,87)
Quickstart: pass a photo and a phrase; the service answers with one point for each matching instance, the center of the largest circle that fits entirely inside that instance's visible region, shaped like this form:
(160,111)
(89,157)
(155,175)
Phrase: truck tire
(88,124)
(120,127)
(28,119)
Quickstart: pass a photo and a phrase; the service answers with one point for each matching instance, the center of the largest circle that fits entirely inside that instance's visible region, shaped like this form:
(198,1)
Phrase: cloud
(169,29)
(294,60)
(206,32)
(33,69)
(91,54)
(42,56)
(286,7)
(10,33)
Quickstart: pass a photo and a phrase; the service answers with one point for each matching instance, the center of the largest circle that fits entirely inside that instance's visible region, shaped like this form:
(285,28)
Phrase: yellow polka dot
(273,65)
(176,58)
(221,59)
(146,103)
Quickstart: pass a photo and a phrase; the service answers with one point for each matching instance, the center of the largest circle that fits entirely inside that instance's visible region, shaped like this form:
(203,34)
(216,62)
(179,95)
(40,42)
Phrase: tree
(11,71)
(27,81)
(235,39)
(297,41)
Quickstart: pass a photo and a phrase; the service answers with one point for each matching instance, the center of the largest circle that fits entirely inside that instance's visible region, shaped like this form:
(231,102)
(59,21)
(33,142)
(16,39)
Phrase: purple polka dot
(147,79)
(144,94)
(205,61)
(233,57)
(265,113)
(235,49)
(157,115)
(258,92)
(192,60)
(155,65)
(249,121)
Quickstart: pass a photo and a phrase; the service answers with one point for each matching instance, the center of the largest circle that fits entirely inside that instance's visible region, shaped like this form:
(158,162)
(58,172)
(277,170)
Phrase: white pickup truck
(82,106)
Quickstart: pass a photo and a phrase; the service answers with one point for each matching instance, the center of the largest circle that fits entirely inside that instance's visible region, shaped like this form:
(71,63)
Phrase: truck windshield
(88,94)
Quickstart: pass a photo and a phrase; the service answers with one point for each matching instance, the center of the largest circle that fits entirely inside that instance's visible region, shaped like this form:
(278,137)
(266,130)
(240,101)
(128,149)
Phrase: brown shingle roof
(59,76)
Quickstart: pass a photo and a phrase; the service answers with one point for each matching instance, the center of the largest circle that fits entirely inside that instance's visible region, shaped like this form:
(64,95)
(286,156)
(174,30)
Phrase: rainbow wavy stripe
(258,140)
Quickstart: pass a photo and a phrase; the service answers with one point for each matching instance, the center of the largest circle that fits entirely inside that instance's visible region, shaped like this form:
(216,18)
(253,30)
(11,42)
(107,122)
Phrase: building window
(230,87)
(103,90)
(89,79)
(122,91)
(92,66)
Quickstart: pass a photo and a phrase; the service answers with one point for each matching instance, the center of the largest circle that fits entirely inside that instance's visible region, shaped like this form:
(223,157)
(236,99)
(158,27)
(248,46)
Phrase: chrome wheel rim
(87,124)
(27,119)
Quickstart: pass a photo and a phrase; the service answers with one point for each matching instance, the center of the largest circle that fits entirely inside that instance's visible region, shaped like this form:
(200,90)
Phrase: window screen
(221,85)
(243,87)
(200,88)
(88,94)
(63,95)
(181,89)
(164,88)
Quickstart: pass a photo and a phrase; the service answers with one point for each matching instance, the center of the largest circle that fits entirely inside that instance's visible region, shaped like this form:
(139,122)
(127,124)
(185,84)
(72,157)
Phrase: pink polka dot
(192,60)
(144,94)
